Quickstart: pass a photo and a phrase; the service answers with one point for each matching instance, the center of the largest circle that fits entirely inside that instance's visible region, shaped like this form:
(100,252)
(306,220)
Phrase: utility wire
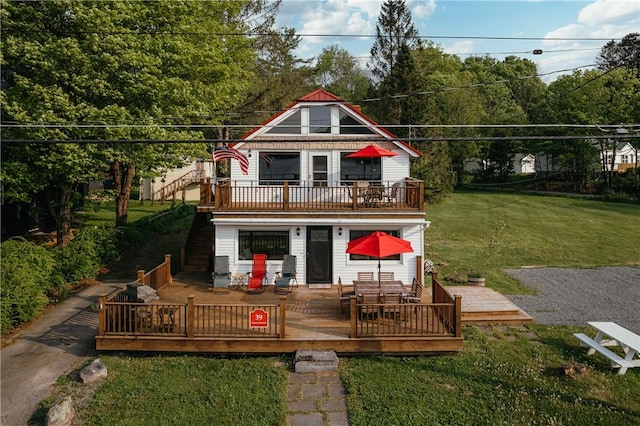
(298,140)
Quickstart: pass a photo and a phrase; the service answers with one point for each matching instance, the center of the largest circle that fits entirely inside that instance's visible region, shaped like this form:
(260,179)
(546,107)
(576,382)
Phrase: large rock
(61,414)
(93,372)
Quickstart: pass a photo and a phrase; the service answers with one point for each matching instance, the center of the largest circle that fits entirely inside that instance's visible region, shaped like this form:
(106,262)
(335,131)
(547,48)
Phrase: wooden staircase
(171,190)
(198,245)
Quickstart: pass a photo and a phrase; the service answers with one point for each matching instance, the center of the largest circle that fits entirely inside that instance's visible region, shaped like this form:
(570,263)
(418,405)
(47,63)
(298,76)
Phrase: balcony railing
(249,196)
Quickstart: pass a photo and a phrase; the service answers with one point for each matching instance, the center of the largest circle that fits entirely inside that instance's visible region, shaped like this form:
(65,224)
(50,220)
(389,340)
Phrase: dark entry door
(319,255)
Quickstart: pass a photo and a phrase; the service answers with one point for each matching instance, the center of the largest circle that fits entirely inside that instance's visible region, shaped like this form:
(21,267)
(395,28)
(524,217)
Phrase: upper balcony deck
(234,196)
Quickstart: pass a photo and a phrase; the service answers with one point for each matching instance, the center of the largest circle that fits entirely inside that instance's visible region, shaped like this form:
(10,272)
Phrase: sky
(570,33)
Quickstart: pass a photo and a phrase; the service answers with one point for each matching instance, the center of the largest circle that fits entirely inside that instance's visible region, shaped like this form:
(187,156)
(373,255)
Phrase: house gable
(321,116)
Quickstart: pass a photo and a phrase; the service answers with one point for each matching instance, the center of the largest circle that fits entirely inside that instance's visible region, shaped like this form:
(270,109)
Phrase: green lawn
(492,231)
(504,375)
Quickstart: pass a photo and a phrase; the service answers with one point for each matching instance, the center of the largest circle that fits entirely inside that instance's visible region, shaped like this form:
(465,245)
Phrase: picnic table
(379,287)
(612,334)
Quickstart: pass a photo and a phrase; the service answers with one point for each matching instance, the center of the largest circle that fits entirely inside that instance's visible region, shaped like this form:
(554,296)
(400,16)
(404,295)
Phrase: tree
(151,64)
(339,73)
(625,53)
(393,29)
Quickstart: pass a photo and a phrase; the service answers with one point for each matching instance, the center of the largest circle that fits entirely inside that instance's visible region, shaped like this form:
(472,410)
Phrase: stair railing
(170,190)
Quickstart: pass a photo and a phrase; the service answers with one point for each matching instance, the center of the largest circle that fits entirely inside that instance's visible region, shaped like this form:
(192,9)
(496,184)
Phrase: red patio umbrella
(379,244)
(371,151)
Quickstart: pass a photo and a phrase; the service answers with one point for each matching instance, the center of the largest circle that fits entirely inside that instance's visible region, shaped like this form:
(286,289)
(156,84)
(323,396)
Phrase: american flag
(226,153)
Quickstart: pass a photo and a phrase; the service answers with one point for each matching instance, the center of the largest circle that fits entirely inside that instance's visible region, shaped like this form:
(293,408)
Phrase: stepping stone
(311,361)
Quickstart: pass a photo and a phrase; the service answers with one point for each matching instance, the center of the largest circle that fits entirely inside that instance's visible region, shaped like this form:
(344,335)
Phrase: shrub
(80,260)
(28,272)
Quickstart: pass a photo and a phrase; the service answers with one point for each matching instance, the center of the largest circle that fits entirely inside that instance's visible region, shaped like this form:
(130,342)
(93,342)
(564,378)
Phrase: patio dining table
(379,287)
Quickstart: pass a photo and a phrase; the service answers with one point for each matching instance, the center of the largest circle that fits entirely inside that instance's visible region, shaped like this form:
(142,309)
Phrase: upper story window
(320,119)
(350,126)
(289,126)
(277,167)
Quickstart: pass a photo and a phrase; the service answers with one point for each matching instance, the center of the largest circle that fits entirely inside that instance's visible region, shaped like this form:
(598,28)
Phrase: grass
(491,231)
(188,390)
(504,375)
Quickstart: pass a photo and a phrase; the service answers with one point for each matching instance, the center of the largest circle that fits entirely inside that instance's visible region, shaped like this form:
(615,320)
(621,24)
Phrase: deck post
(191,326)
(102,314)
(353,316)
(285,196)
(283,310)
(167,262)
(434,279)
(457,316)
(419,270)
(141,276)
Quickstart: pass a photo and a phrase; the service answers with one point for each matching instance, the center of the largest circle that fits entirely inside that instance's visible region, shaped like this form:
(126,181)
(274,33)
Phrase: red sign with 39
(258,318)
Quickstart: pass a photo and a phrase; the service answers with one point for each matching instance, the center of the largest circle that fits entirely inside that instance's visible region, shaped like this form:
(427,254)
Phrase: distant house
(626,157)
(522,164)
(299,194)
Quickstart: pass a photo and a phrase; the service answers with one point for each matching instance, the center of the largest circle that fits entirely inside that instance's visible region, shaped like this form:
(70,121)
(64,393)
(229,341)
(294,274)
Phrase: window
(320,120)
(355,169)
(275,244)
(288,126)
(276,167)
(349,126)
(362,233)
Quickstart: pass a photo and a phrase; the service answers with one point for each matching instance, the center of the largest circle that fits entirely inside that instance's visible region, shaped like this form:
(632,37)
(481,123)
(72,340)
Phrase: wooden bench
(616,360)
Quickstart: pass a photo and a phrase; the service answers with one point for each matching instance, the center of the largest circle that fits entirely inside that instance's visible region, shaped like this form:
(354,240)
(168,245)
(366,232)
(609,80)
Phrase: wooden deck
(313,321)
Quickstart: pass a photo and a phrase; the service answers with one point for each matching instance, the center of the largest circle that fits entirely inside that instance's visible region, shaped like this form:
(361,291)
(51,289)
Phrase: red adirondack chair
(258,274)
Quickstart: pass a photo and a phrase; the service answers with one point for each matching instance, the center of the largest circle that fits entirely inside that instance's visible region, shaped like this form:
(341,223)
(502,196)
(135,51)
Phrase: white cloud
(605,11)
(461,47)
(421,9)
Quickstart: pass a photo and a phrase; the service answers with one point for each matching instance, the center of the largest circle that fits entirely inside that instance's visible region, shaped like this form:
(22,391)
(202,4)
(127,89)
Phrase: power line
(298,140)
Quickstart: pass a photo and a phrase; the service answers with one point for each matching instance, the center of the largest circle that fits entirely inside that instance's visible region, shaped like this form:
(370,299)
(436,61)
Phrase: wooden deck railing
(231,195)
(442,317)
(158,276)
(121,317)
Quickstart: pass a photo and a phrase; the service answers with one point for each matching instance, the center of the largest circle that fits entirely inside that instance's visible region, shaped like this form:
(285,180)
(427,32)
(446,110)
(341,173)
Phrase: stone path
(316,399)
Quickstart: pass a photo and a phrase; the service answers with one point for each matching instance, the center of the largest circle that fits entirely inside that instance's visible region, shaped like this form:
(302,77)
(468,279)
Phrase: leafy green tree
(339,73)
(625,53)
(133,67)
(588,97)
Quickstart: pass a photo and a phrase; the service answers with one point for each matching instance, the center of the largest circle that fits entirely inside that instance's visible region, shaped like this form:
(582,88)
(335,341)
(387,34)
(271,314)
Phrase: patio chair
(258,275)
(385,276)
(345,296)
(283,279)
(220,277)
(392,302)
(365,276)
(391,197)
(416,292)
(369,305)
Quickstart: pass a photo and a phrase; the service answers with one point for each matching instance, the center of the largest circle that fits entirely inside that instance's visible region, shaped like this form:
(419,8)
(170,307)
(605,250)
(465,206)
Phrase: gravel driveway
(576,296)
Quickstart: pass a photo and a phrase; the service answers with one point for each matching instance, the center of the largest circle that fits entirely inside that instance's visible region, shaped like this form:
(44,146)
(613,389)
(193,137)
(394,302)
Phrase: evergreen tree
(625,53)
(394,28)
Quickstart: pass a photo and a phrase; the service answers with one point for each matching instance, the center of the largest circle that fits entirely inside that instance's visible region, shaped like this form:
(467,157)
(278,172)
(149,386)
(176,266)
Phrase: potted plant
(476,278)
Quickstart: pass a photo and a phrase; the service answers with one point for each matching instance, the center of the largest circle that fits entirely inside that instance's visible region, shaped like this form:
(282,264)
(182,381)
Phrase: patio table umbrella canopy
(371,151)
(379,244)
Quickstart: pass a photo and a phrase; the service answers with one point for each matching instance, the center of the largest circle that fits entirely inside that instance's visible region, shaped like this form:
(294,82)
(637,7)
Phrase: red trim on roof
(321,95)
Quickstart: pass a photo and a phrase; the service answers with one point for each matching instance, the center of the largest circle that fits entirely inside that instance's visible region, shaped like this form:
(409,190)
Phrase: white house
(302,196)
(626,157)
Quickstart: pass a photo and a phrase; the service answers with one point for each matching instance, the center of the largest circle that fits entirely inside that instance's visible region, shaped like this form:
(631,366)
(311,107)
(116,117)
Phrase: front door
(319,255)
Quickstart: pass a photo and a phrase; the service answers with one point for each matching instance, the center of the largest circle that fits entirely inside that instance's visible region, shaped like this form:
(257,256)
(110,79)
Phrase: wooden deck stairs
(482,306)
(198,245)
